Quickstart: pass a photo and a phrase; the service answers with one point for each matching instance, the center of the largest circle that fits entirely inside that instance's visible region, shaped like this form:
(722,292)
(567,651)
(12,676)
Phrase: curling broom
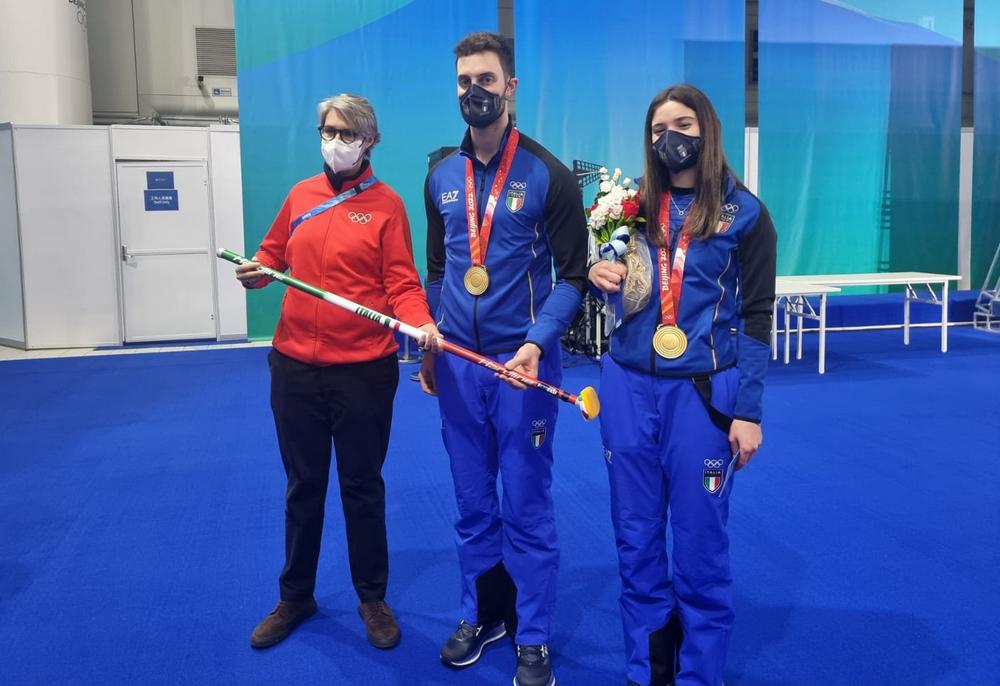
(586,400)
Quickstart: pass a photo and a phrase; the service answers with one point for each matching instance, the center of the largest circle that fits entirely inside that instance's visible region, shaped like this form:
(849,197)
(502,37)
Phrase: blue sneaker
(534,667)
(465,646)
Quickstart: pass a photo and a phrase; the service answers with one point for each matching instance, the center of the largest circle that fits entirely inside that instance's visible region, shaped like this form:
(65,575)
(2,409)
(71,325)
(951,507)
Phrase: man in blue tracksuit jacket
(506,269)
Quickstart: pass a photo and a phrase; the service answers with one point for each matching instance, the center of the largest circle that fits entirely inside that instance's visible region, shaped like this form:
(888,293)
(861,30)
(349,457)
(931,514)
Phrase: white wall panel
(68,244)
(59,245)
(11,303)
(112,59)
(159,142)
(227,208)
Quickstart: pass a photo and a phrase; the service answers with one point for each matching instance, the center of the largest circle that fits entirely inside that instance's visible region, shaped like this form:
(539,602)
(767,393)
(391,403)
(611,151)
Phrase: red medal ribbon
(671,278)
(479,239)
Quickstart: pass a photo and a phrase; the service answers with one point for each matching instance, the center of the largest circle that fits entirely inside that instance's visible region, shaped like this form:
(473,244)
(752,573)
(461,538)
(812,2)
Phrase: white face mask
(341,156)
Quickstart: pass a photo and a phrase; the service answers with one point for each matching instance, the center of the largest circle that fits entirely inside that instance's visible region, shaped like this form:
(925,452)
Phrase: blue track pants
(491,429)
(665,455)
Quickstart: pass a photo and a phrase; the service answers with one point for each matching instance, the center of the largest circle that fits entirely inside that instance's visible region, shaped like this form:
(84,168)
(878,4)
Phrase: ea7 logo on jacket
(515,195)
(449,196)
(537,433)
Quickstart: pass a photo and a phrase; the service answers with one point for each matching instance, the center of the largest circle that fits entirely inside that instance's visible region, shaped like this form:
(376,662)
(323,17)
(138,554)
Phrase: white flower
(614,189)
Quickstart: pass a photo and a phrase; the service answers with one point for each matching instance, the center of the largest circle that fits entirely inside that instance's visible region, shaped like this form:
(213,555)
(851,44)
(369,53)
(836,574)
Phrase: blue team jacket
(536,257)
(725,306)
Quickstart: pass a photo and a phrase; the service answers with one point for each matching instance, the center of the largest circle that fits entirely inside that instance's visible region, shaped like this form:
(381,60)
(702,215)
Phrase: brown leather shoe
(285,616)
(383,630)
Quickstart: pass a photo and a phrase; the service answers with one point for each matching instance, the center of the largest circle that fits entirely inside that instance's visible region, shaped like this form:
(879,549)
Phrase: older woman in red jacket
(334,374)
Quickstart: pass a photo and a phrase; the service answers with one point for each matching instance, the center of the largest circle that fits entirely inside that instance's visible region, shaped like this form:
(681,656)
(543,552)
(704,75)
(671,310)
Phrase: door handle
(125,254)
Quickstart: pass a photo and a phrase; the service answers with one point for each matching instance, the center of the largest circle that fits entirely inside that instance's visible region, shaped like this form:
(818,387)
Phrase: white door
(167,281)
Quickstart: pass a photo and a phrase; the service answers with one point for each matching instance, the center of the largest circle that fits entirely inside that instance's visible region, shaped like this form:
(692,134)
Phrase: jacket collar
(469,151)
(341,183)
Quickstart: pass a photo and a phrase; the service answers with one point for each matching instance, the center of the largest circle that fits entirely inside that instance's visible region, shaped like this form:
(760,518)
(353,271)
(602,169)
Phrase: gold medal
(477,279)
(669,342)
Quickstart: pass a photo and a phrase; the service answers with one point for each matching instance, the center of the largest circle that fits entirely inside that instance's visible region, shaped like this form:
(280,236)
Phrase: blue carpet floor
(141,510)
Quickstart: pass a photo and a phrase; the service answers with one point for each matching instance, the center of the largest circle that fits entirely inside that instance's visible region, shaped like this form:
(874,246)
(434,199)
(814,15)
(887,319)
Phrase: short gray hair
(355,110)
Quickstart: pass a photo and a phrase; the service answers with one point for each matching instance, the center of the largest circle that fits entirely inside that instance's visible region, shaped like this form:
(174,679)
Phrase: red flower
(630,209)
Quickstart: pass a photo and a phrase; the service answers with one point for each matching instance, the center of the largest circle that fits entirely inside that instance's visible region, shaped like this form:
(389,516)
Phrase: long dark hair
(712,168)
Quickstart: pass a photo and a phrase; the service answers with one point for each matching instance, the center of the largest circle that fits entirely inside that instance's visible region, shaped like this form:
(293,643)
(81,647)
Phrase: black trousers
(350,406)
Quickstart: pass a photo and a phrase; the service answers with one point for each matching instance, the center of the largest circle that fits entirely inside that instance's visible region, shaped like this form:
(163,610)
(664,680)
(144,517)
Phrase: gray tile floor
(7,354)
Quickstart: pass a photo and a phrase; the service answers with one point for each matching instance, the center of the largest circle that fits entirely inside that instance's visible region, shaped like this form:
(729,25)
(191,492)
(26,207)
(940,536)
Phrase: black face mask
(677,150)
(480,108)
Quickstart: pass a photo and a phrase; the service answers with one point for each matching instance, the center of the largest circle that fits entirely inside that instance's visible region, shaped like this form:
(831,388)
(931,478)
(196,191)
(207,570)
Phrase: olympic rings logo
(359,218)
(714,464)
(518,185)
(730,208)
(537,423)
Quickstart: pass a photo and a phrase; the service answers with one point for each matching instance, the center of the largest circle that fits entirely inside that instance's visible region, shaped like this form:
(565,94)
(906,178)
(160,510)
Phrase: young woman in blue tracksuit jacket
(681,389)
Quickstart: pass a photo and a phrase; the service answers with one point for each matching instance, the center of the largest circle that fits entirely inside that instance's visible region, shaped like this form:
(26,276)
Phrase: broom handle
(396,325)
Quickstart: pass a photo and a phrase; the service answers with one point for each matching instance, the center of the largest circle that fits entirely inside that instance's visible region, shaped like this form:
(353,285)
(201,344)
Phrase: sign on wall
(160,194)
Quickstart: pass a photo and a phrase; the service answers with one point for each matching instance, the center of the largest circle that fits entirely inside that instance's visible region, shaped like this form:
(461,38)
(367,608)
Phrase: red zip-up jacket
(359,249)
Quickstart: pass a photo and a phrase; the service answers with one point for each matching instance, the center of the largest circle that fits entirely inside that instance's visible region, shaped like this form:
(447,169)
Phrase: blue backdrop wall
(859,117)
(587,74)
(290,56)
(860,121)
(986,149)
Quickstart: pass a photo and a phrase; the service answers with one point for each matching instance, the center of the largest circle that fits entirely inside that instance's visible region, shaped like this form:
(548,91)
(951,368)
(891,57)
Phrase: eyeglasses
(328,133)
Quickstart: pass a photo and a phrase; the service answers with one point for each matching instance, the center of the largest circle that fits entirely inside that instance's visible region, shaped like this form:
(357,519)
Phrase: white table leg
(822,333)
(906,315)
(802,308)
(774,329)
(788,331)
(944,317)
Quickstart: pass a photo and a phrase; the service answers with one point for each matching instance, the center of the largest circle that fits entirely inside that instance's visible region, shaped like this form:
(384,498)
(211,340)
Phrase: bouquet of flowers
(612,221)
(614,214)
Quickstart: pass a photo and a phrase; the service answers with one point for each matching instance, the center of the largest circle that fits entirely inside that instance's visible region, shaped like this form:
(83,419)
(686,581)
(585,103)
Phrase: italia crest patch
(537,433)
(727,217)
(713,480)
(515,200)
(712,475)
